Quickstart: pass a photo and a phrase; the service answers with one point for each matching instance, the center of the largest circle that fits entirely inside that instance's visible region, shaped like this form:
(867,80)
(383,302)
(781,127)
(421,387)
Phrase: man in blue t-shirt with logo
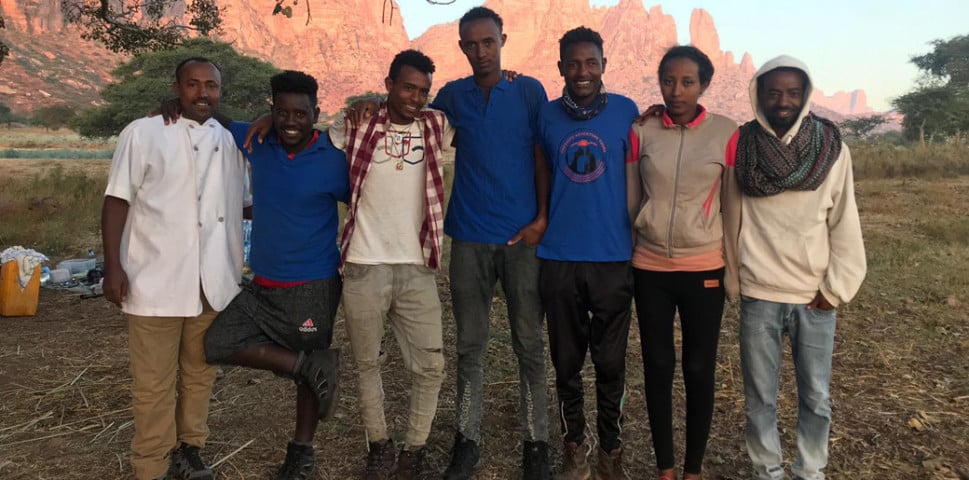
(496,216)
(586,281)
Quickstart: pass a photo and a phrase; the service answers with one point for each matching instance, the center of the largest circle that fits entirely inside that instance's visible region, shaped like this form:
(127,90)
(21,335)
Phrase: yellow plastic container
(15,301)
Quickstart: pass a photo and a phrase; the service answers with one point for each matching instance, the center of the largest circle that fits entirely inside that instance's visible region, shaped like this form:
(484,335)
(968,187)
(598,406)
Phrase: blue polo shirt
(294,207)
(587,219)
(493,195)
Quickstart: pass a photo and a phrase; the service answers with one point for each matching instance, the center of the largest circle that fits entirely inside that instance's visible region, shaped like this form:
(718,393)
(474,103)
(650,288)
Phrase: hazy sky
(847,44)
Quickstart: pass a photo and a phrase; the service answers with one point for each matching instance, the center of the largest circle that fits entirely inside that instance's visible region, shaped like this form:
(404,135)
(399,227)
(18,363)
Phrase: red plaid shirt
(362,141)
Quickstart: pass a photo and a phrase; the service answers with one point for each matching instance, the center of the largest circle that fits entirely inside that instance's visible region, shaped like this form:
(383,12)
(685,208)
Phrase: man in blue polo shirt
(586,280)
(496,217)
(283,320)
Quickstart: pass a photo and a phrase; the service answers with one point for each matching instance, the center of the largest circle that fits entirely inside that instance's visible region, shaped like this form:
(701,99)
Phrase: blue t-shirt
(588,219)
(493,195)
(294,207)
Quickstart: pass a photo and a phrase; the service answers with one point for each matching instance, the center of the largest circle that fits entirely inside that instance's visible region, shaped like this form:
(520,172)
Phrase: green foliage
(861,127)
(949,58)
(364,96)
(4,49)
(146,80)
(7,116)
(937,108)
(54,117)
(135,27)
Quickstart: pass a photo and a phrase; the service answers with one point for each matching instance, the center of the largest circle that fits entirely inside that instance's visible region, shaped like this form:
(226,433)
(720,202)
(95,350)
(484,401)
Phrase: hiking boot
(187,464)
(465,457)
(413,465)
(300,463)
(318,369)
(535,461)
(609,465)
(381,459)
(575,464)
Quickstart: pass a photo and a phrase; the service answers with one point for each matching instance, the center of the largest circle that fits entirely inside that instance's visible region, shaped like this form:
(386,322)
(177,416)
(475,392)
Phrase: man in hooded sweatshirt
(799,254)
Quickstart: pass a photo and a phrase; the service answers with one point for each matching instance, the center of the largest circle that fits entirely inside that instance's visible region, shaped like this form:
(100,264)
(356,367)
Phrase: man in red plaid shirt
(391,249)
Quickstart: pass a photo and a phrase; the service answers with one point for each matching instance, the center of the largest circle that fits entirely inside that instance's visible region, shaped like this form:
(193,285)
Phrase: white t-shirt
(392,203)
(186,186)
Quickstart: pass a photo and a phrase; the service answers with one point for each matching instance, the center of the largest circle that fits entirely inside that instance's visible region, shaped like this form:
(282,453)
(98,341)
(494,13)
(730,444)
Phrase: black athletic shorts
(297,318)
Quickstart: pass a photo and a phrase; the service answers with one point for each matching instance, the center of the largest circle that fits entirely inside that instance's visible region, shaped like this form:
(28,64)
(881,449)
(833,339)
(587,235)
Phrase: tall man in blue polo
(496,217)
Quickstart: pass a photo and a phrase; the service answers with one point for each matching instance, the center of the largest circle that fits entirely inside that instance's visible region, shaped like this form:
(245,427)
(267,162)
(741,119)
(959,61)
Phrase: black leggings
(699,298)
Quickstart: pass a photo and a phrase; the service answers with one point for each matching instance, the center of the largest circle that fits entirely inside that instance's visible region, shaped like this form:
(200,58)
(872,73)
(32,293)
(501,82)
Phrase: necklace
(397,146)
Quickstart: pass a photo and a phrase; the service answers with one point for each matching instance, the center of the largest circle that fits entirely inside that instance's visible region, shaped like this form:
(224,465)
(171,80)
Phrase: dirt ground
(900,392)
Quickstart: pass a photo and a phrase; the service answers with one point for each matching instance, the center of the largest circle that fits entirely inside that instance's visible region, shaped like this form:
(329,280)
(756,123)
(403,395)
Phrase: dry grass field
(901,366)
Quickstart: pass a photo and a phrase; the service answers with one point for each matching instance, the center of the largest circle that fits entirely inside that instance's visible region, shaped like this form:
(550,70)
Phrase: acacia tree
(861,127)
(938,106)
(143,25)
(145,80)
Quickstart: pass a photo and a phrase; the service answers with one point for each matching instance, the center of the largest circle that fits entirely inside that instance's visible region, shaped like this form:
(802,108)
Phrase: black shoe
(413,465)
(464,459)
(381,460)
(300,463)
(535,461)
(187,464)
(319,369)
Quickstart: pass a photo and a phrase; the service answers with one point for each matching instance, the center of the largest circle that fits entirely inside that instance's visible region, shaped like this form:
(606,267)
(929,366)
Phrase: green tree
(54,117)
(364,96)
(4,49)
(6,115)
(145,80)
(861,127)
(938,106)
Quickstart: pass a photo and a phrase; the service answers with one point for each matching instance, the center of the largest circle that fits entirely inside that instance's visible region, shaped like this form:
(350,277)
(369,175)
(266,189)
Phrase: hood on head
(772,64)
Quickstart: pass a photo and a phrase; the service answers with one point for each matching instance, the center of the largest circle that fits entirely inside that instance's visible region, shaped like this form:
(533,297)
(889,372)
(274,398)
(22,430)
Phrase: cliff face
(348,44)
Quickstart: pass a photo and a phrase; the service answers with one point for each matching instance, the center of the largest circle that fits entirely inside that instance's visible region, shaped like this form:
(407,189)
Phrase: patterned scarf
(579,112)
(765,166)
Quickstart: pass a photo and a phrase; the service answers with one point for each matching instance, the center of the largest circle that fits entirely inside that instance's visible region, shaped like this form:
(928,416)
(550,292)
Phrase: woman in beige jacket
(679,173)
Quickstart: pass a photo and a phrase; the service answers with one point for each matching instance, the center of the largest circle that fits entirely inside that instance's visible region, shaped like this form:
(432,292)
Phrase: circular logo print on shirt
(582,156)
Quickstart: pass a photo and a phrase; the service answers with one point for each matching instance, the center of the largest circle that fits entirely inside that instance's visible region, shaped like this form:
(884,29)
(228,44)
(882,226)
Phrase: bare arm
(533,232)
(114,214)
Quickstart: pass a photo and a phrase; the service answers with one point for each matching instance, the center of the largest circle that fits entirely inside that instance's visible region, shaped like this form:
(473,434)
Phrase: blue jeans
(475,270)
(762,328)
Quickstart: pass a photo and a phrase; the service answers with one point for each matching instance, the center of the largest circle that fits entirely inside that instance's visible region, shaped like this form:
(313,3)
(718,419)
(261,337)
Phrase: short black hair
(291,81)
(412,58)
(689,52)
(579,35)
(805,82)
(178,68)
(478,13)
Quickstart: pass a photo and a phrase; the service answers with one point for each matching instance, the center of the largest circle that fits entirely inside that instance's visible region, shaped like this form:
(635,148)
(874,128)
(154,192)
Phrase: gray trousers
(475,270)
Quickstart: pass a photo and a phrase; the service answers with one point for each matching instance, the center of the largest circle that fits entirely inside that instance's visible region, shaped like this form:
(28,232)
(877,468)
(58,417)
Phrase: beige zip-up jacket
(789,246)
(681,171)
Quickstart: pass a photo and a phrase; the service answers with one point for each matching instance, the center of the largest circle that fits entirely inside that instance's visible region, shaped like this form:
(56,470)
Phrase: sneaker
(465,457)
(300,463)
(609,465)
(318,369)
(575,465)
(381,460)
(413,465)
(187,464)
(535,461)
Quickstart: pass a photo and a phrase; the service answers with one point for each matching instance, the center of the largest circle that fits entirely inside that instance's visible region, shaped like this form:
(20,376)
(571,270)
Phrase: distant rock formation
(348,45)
